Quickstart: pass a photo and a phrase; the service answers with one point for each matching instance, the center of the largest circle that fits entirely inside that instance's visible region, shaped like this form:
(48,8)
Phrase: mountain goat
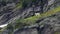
(37,14)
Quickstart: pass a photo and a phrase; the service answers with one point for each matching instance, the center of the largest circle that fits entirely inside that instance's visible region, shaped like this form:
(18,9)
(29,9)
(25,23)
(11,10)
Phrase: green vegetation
(33,19)
(57,33)
(24,3)
(18,6)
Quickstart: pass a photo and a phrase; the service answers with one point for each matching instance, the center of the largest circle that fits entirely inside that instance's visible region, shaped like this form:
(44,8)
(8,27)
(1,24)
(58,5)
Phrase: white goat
(37,14)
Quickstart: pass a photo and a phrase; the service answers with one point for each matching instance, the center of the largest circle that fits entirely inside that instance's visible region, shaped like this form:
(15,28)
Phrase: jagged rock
(9,15)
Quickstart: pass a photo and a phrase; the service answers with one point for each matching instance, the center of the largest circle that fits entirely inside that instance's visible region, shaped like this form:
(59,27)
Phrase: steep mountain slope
(50,25)
(22,19)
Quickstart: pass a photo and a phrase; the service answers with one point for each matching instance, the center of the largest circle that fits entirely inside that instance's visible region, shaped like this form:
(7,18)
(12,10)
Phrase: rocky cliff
(20,16)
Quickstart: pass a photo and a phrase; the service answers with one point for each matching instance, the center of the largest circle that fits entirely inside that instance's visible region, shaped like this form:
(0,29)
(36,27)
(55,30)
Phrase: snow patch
(1,26)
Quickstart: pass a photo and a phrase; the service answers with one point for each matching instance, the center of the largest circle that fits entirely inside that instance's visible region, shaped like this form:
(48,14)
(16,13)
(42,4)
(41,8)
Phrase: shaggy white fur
(37,14)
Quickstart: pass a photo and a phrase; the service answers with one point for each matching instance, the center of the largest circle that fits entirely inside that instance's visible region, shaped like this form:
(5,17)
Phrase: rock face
(51,25)
(9,14)
(27,31)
